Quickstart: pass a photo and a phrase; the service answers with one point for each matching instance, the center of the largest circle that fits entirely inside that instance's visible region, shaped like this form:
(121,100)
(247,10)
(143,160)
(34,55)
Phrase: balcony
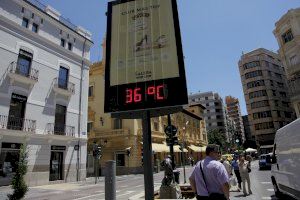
(63,87)
(15,123)
(23,73)
(111,133)
(53,129)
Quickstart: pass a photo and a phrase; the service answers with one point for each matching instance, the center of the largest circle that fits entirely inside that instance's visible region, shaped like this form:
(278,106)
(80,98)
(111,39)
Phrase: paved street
(132,187)
(261,186)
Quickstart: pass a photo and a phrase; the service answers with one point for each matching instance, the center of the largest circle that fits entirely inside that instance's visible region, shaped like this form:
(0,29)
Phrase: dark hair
(212,148)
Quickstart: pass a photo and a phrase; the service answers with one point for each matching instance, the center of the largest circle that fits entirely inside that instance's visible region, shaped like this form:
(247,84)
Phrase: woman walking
(244,168)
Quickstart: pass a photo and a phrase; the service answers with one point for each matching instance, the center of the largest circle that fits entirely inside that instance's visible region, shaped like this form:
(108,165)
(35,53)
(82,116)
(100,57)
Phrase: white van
(285,172)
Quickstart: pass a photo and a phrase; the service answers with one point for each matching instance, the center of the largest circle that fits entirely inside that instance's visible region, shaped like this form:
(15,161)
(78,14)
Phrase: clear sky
(214,35)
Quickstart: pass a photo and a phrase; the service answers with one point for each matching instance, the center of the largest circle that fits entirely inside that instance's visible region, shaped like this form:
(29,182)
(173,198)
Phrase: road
(132,187)
(261,186)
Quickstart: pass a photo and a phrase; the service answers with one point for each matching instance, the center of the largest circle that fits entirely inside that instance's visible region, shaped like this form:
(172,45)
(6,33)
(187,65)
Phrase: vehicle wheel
(276,189)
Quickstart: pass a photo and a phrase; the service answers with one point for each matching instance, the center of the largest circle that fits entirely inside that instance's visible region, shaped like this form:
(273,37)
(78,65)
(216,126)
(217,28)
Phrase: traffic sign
(171,130)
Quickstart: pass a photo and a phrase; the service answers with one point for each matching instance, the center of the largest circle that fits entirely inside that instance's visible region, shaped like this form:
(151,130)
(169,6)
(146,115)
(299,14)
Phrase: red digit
(137,97)
(151,91)
(128,95)
(160,92)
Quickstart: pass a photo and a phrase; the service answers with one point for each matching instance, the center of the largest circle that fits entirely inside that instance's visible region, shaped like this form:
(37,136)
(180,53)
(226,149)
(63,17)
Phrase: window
(293,60)
(25,22)
(260,115)
(282,94)
(287,114)
(274,93)
(220,124)
(280,85)
(276,103)
(120,159)
(70,46)
(207,104)
(91,91)
(89,126)
(255,84)
(63,78)
(60,119)
(24,63)
(277,67)
(271,83)
(259,104)
(251,64)
(16,112)
(117,123)
(156,127)
(256,94)
(287,36)
(253,74)
(62,42)
(35,27)
(285,104)
(278,75)
(265,125)
(278,113)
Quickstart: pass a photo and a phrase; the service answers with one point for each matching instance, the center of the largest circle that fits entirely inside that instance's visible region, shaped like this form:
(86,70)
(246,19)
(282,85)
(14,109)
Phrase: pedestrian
(244,167)
(209,178)
(227,165)
(192,161)
(235,167)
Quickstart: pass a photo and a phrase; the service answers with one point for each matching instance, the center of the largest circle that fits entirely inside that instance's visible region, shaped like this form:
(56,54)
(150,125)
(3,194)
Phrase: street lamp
(182,149)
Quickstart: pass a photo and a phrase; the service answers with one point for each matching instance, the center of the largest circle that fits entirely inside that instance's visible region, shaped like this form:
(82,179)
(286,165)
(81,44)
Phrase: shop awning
(156,147)
(177,149)
(197,149)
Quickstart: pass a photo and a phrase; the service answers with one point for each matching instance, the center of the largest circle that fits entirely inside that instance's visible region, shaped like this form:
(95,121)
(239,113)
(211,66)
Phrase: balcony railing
(58,129)
(112,133)
(64,85)
(15,123)
(24,70)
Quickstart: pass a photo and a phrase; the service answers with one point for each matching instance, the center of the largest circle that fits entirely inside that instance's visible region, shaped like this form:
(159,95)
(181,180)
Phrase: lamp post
(182,150)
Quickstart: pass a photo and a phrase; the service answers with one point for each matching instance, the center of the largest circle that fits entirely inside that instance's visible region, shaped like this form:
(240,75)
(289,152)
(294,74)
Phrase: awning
(197,149)
(177,149)
(156,147)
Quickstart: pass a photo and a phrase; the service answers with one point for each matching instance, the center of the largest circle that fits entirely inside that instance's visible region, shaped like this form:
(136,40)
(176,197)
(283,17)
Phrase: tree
(18,183)
(216,137)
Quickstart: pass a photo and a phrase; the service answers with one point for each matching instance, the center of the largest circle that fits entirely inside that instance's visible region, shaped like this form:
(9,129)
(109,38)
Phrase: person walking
(227,165)
(209,179)
(235,167)
(244,167)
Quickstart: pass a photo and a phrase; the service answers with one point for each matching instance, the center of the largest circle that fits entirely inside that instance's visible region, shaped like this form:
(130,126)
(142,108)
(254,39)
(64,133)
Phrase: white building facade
(287,33)
(44,71)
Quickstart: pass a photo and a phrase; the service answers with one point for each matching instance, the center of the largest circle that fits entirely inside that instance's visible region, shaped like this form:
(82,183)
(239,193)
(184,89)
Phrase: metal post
(184,178)
(110,180)
(147,157)
(171,145)
(95,169)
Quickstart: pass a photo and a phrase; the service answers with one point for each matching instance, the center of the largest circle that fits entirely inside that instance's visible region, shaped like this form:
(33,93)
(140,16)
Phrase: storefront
(9,157)
(56,163)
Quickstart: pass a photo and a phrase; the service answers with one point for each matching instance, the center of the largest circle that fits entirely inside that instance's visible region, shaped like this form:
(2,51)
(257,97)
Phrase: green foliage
(217,137)
(18,183)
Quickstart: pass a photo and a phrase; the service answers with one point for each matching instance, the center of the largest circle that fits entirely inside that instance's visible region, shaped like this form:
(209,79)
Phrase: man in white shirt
(215,180)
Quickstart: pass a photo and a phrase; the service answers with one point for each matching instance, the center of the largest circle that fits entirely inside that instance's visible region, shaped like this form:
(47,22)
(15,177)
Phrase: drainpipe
(79,117)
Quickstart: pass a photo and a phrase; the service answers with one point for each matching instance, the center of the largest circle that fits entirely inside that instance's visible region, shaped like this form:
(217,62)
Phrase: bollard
(110,180)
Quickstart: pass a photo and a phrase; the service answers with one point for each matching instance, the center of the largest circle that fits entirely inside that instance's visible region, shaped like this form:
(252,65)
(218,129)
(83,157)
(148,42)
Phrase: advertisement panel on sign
(144,60)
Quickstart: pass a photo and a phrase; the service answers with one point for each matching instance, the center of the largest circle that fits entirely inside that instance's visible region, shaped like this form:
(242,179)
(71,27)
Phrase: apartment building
(266,94)
(234,112)
(44,66)
(117,137)
(214,114)
(287,33)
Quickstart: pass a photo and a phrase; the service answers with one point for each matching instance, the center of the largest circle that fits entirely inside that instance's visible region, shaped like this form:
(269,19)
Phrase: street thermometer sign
(144,67)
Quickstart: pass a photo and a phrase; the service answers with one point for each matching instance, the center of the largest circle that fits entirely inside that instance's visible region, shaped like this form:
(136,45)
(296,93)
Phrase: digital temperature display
(144,66)
(137,95)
